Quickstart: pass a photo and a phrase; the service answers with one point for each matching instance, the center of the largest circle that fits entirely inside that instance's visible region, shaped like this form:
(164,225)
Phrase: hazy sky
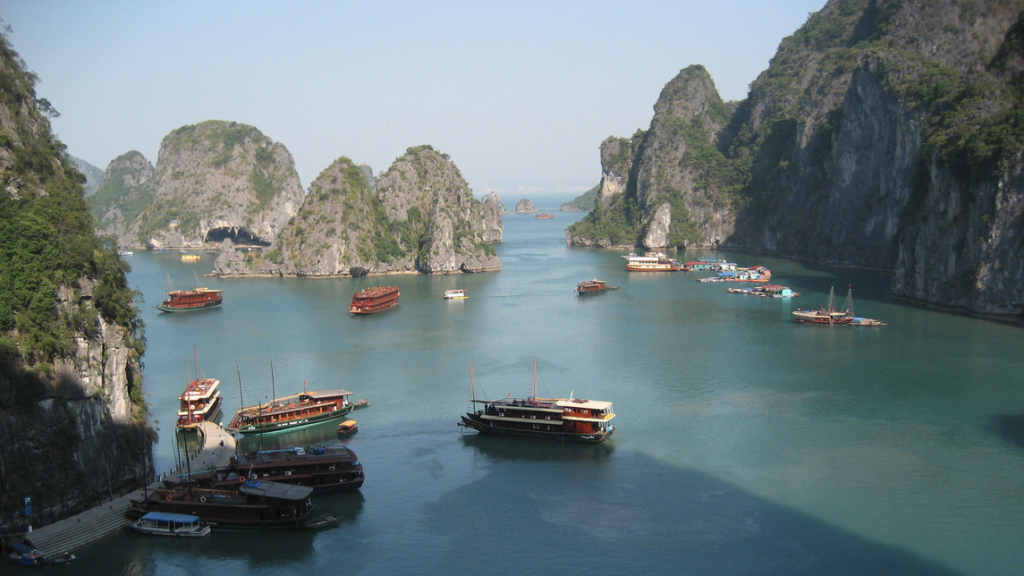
(517,93)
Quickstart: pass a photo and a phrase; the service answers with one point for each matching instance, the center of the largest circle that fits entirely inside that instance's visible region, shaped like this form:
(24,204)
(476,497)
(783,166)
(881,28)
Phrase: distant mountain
(885,134)
(212,181)
(421,217)
(93,175)
(585,202)
(525,206)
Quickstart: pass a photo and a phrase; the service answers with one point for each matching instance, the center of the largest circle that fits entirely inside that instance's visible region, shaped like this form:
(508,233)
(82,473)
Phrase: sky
(519,94)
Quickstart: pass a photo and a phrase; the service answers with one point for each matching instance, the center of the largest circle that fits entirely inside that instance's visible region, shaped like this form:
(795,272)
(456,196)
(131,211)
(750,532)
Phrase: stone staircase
(109,518)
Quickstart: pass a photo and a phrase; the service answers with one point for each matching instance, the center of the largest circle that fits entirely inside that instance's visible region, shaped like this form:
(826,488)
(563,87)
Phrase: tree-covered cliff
(420,217)
(72,414)
(885,133)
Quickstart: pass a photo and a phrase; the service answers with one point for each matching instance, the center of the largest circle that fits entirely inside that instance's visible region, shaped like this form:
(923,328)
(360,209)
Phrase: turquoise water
(746,443)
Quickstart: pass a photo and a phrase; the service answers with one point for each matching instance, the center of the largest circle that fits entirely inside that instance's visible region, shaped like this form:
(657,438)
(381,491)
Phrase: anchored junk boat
(593,286)
(200,402)
(198,298)
(828,314)
(375,299)
(567,420)
(291,412)
(250,505)
(325,469)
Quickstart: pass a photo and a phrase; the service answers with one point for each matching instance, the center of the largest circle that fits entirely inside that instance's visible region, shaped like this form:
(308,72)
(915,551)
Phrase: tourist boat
(169,524)
(457,294)
(291,412)
(545,216)
(651,262)
(593,286)
(250,505)
(325,469)
(195,299)
(125,253)
(567,420)
(347,427)
(828,314)
(373,300)
(200,402)
(190,257)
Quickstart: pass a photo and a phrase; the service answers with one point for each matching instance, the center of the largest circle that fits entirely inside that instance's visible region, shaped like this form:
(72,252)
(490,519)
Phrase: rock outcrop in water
(884,134)
(494,227)
(212,181)
(524,206)
(72,414)
(421,217)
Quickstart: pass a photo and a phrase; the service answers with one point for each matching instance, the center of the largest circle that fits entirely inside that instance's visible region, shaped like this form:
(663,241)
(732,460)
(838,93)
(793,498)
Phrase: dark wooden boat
(257,505)
(373,300)
(566,420)
(325,469)
(593,287)
(291,412)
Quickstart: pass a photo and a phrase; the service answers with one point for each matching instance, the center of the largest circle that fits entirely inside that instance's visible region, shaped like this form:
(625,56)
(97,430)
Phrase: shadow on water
(560,514)
(1010,427)
(505,449)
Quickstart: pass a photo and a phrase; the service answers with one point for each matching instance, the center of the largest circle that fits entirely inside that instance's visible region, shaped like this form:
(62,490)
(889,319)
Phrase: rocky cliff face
(884,133)
(72,418)
(493,210)
(128,186)
(212,181)
(421,217)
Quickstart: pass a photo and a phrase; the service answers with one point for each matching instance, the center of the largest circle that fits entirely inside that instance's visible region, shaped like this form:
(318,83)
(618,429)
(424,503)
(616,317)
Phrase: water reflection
(499,449)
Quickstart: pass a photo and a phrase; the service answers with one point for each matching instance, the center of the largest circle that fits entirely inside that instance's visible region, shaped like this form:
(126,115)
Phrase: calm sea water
(746,443)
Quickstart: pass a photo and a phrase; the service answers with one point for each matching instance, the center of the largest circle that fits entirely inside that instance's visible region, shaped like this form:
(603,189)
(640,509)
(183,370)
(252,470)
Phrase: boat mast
(241,402)
(273,390)
(472,383)
(534,397)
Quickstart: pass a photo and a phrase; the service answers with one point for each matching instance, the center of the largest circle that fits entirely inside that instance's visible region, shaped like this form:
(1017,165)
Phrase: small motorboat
(457,294)
(347,427)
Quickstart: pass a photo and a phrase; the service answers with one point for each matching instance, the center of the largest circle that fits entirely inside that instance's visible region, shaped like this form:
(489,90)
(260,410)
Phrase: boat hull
(474,421)
(374,300)
(272,427)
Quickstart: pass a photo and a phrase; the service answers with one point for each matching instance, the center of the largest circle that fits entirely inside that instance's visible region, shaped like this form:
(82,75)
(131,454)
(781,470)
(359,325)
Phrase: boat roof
(170,517)
(276,490)
(327,393)
(580,403)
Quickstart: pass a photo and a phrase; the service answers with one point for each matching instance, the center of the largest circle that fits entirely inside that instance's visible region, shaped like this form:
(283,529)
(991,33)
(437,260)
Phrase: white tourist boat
(169,524)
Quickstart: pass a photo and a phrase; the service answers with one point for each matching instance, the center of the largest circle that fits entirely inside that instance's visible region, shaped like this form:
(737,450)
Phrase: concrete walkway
(71,534)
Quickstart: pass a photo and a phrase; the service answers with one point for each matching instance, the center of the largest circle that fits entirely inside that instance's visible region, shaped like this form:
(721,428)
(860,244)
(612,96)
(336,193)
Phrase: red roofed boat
(373,300)
(198,298)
